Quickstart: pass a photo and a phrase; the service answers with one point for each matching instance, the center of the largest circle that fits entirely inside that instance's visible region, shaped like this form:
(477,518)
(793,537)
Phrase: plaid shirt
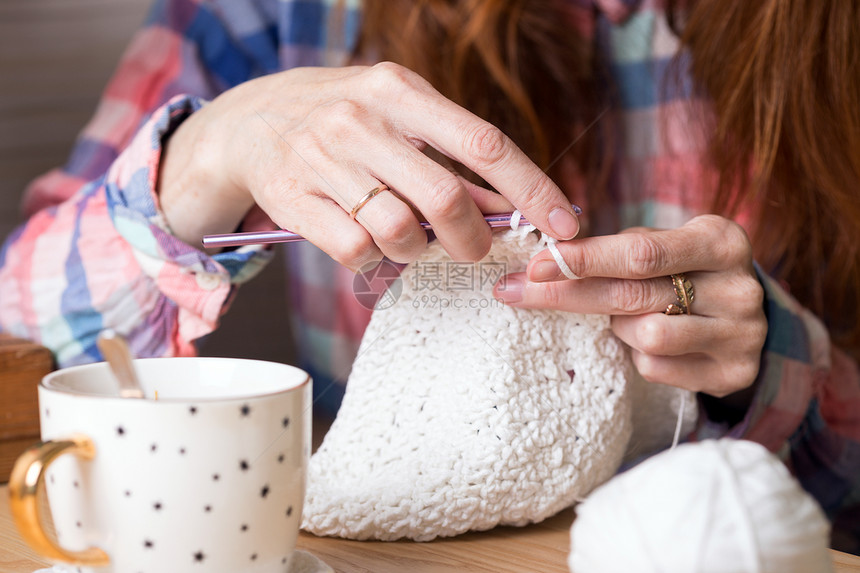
(96,250)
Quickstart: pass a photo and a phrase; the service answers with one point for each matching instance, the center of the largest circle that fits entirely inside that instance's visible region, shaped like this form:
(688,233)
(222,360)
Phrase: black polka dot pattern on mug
(185,455)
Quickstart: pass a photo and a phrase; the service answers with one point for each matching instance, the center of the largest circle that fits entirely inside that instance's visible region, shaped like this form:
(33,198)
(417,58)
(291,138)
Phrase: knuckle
(343,114)
(552,295)
(647,257)
(746,374)
(310,143)
(730,240)
(647,367)
(276,191)
(736,377)
(480,247)
(390,78)
(395,229)
(446,196)
(486,146)
(738,241)
(628,296)
(354,252)
(751,293)
(651,337)
(759,334)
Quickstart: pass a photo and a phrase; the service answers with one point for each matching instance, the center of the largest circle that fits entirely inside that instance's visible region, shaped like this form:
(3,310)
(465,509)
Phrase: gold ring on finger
(367,197)
(684,293)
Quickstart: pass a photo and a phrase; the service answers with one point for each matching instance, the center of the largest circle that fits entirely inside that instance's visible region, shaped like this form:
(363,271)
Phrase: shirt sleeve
(96,251)
(806,409)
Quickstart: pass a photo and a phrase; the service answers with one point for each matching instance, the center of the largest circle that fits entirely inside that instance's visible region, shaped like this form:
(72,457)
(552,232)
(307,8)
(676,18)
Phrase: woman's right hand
(307,144)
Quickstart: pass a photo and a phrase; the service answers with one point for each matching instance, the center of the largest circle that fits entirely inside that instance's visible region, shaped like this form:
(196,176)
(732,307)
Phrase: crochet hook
(283,236)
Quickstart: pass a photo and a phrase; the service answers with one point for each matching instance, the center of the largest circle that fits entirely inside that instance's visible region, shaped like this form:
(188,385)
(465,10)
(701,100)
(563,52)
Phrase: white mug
(205,474)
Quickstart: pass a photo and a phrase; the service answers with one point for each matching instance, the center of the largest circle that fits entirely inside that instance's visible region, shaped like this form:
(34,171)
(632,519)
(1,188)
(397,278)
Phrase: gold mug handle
(28,473)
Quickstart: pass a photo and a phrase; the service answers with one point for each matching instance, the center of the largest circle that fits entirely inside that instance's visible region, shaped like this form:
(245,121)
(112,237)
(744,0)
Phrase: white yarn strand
(546,240)
(559,260)
(680,421)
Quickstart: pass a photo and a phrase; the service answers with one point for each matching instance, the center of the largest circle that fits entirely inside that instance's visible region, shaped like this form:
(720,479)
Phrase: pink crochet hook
(282,236)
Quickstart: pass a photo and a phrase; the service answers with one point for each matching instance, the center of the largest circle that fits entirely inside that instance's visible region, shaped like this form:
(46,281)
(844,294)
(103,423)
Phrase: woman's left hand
(716,349)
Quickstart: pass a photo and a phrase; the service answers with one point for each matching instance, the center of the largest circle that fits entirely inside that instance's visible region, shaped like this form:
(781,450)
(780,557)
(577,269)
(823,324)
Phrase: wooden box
(22,365)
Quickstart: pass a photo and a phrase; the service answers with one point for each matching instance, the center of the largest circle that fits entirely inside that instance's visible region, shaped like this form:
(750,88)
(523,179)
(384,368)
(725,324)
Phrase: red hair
(783,77)
(784,81)
(514,63)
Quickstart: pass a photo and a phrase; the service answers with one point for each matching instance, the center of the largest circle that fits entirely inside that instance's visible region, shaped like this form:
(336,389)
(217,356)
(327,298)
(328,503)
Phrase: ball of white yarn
(719,506)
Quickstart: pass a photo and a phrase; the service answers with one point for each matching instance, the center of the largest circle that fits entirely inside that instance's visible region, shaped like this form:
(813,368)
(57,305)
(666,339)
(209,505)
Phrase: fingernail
(563,223)
(509,290)
(544,271)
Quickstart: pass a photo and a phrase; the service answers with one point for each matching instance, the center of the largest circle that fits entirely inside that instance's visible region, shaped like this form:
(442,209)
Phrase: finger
(442,197)
(705,243)
(664,335)
(695,372)
(325,224)
(488,152)
(738,296)
(332,167)
(488,201)
(590,296)
(691,372)
(431,118)
(392,224)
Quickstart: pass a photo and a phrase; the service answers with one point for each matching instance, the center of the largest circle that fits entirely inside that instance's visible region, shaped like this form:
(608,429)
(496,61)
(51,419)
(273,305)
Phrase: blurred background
(56,56)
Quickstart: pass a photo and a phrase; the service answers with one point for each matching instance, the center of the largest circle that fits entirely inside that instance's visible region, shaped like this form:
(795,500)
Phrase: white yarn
(657,408)
(725,506)
(680,421)
(464,416)
(547,241)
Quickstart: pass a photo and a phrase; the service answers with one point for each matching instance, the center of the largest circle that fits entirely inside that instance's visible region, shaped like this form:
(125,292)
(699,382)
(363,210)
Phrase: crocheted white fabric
(464,414)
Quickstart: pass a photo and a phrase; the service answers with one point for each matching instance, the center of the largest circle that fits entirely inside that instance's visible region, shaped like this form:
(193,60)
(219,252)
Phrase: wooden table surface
(541,548)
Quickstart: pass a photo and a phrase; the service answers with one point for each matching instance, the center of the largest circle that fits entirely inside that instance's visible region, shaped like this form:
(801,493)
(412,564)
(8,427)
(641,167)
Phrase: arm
(95,252)
(305,145)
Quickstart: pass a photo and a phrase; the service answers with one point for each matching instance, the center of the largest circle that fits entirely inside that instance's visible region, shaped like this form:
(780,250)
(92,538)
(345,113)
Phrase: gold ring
(363,201)
(685,294)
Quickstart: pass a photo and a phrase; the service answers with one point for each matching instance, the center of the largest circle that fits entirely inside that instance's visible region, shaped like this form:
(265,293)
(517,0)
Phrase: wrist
(195,192)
